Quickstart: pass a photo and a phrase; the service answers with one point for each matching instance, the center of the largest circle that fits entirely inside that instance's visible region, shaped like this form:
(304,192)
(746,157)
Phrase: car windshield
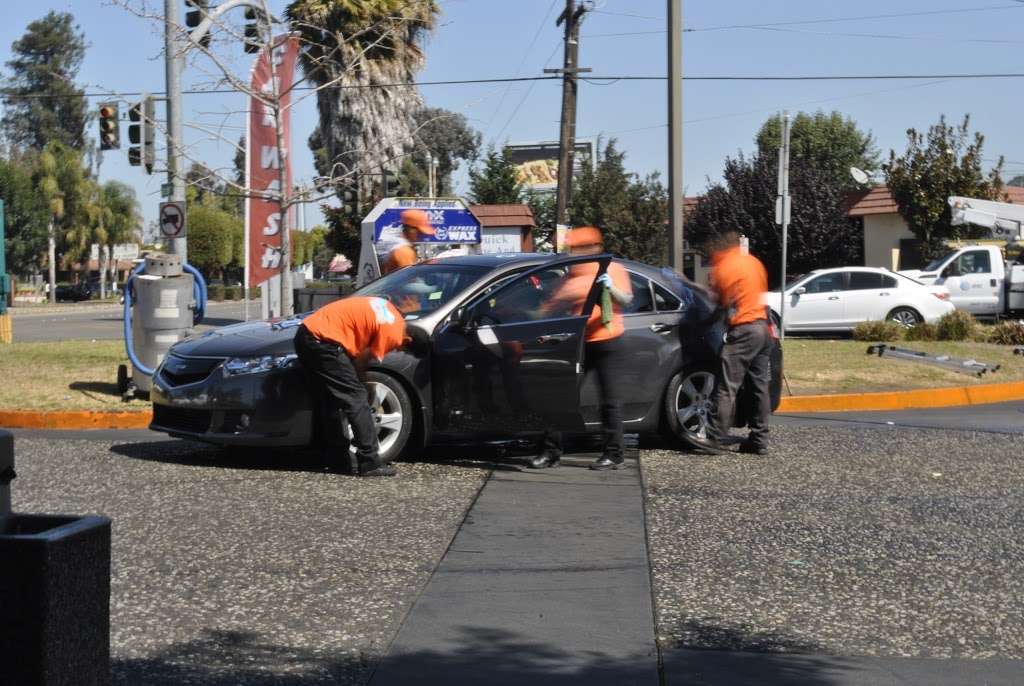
(423,288)
(937,262)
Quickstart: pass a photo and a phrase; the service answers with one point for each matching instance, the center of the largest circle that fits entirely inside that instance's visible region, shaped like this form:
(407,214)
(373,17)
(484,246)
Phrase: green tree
(350,44)
(495,182)
(543,206)
(447,138)
(830,142)
(629,210)
(68,190)
(1017,181)
(122,223)
(944,161)
(27,215)
(46,60)
(210,237)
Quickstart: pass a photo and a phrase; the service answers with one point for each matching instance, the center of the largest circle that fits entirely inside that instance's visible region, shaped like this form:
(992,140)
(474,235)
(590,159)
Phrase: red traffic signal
(110,134)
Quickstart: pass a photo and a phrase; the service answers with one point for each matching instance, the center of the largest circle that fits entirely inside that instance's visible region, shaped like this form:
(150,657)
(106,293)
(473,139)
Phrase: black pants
(338,391)
(746,357)
(606,358)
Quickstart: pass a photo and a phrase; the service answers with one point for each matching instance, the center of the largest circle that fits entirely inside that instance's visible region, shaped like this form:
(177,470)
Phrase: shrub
(1007,333)
(878,331)
(255,291)
(215,292)
(232,293)
(955,326)
(922,332)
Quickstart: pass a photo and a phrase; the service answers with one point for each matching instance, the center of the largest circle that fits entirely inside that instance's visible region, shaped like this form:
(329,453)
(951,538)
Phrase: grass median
(81,375)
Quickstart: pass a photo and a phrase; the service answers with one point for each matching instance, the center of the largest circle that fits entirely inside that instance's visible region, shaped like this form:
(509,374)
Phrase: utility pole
(675,132)
(174,58)
(782,212)
(572,16)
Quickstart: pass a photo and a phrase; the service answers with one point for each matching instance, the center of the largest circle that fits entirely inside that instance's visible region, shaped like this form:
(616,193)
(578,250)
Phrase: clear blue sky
(488,38)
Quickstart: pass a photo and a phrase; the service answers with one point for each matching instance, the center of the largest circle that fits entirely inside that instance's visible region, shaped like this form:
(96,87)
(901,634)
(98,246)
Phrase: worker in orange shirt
(603,351)
(415,223)
(335,345)
(740,280)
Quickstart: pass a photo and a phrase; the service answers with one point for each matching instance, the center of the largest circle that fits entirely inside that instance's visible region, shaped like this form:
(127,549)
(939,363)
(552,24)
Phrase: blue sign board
(452,224)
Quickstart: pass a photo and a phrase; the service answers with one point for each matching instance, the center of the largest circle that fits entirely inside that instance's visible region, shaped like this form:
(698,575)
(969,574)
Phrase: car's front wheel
(393,414)
(688,402)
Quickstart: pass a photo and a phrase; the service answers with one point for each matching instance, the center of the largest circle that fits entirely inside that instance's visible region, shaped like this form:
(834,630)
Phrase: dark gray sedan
(502,365)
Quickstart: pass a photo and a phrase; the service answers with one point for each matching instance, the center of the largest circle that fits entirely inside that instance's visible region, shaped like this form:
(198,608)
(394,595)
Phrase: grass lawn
(818,366)
(81,375)
(63,375)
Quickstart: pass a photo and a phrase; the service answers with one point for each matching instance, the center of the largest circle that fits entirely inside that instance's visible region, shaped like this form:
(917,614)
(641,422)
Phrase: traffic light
(252,30)
(142,134)
(194,18)
(110,133)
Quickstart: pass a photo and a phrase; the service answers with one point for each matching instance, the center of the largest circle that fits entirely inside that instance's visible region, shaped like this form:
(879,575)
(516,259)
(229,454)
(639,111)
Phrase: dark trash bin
(54,593)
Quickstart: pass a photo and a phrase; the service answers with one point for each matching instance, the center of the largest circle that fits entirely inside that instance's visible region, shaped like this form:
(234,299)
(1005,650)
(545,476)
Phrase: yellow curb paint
(905,400)
(27,419)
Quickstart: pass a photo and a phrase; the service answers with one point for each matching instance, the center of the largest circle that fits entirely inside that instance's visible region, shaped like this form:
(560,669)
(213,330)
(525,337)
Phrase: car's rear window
(423,288)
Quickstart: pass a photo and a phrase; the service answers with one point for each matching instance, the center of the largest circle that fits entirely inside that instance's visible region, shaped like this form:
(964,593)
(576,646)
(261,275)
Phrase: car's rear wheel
(906,316)
(392,412)
(688,402)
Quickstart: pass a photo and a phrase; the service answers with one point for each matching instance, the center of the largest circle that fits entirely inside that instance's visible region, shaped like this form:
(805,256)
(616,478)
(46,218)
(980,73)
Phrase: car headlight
(255,365)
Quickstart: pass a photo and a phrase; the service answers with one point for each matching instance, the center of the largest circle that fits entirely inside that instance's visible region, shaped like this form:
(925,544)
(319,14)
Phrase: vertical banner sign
(263,161)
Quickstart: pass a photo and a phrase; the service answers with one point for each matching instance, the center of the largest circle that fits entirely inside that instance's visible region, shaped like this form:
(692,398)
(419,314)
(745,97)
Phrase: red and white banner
(263,161)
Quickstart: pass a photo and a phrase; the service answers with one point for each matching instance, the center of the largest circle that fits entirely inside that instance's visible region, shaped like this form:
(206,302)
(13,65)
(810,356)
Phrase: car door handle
(554,338)
(992,282)
(883,293)
(660,327)
(833,297)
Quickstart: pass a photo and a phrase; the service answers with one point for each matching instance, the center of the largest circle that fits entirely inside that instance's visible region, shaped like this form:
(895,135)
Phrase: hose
(199,292)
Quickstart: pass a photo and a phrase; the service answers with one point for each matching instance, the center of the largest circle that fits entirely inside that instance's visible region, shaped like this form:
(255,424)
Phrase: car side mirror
(463,318)
(801,290)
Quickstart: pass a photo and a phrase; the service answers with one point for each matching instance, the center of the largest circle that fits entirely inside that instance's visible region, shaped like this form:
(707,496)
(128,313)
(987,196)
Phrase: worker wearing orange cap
(603,351)
(415,223)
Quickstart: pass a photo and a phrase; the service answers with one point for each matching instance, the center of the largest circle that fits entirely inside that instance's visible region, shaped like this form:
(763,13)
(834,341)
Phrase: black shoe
(606,463)
(707,446)
(383,470)
(752,448)
(544,461)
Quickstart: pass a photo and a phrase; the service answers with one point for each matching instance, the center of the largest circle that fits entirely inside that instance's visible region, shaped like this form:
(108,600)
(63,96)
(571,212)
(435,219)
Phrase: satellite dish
(860,176)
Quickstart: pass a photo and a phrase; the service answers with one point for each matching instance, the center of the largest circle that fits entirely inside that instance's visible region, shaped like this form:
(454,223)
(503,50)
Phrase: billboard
(537,163)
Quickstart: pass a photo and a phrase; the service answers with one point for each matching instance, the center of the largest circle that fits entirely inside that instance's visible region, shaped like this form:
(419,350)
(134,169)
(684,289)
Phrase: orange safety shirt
(402,255)
(741,282)
(575,289)
(358,324)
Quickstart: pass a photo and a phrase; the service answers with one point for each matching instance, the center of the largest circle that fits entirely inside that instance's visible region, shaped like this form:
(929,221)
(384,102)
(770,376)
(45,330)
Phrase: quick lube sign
(452,221)
(453,224)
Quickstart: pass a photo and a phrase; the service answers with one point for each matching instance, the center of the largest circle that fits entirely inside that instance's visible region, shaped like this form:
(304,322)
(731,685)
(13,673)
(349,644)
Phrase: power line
(526,95)
(608,80)
(944,39)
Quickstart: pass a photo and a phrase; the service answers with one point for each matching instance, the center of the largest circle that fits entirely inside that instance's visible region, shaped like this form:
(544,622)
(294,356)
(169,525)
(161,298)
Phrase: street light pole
(675,132)
(782,214)
(173,59)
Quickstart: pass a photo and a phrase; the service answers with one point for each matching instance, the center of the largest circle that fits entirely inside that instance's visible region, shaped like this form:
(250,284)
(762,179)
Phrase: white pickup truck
(978,278)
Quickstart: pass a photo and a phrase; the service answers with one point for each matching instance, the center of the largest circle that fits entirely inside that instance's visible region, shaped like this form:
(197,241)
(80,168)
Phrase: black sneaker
(383,470)
(752,448)
(606,463)
(545,461)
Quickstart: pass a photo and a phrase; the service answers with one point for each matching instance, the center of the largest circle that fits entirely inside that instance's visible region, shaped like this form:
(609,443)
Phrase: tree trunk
(104,257)
(52,254)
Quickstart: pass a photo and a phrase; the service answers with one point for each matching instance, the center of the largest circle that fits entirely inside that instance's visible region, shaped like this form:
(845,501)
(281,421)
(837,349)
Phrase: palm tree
(365,43)
(121,214)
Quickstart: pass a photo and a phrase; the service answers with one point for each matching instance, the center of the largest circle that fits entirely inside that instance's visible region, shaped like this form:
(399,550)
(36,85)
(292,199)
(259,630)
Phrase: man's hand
(605,280)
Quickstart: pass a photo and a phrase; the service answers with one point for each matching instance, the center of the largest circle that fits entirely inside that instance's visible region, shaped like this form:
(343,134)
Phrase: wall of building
(882,235)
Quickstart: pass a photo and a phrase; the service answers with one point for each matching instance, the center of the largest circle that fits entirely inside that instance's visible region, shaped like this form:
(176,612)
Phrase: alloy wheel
(904,317)
(693,403)
(387,415)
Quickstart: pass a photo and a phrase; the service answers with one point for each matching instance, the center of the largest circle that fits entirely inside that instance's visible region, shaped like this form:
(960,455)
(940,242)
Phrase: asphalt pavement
(875,548)
(105,322)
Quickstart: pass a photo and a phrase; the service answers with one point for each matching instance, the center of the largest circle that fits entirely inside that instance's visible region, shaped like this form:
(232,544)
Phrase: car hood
(271,337)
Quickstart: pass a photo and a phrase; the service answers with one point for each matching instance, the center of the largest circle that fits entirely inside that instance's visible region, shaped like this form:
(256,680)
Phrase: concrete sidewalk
(546,582)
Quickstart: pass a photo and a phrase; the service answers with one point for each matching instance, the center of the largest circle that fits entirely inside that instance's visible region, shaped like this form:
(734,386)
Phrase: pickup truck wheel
(905,316)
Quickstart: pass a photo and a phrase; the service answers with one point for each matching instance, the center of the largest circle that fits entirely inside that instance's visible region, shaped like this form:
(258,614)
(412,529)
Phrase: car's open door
(510,360)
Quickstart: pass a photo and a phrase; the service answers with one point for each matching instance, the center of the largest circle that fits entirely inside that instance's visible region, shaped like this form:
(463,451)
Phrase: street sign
(166,189)
(172,219)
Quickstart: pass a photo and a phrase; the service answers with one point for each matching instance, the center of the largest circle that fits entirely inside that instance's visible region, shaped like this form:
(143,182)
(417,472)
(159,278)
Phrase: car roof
(494,261)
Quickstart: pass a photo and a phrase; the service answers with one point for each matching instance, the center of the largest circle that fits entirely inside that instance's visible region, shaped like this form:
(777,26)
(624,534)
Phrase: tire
(905,316)
(687,402)
(395,422)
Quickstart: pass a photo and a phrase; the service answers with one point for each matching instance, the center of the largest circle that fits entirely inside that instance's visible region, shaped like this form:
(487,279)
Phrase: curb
(905,400)
(27,419)
(849,402)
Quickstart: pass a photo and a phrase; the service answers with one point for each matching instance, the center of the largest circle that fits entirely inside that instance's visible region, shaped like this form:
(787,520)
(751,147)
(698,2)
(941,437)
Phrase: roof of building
(512,214)
(879,200)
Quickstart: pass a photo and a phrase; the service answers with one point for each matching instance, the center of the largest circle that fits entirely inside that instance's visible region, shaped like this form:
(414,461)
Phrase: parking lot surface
(249,571)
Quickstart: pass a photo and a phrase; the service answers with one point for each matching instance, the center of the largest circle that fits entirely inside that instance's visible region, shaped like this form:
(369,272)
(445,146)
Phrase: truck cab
(975,276)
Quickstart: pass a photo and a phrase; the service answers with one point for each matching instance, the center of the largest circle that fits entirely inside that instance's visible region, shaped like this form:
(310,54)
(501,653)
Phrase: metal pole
(567,134)
(782,216)
(675,132)
(173,59)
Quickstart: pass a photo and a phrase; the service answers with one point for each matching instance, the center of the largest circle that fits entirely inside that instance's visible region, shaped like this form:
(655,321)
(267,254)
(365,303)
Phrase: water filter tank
(162,311)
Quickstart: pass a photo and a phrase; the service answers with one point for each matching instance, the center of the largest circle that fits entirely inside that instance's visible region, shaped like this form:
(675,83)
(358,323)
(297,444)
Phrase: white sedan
(839,299)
